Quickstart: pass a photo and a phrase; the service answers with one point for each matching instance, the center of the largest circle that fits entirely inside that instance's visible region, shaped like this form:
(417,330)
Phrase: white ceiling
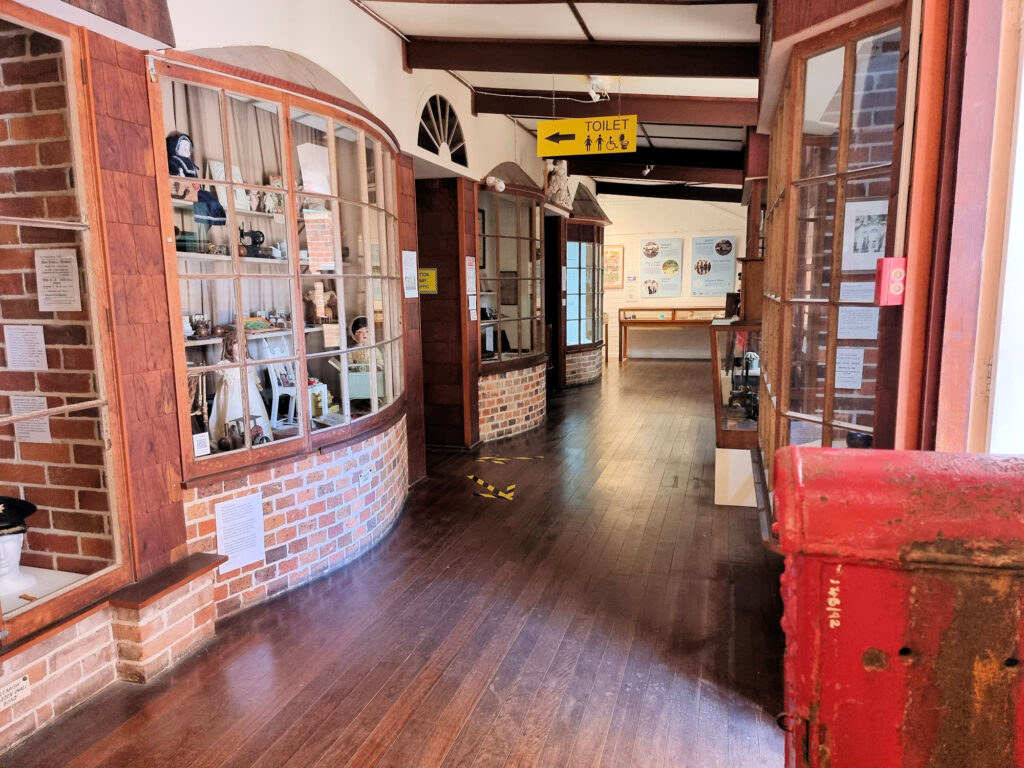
(555,21)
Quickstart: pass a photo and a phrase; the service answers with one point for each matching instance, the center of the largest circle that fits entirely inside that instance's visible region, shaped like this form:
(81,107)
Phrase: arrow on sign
(558,137)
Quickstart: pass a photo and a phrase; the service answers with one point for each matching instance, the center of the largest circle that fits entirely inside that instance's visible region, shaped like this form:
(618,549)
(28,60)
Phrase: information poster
(410,276)
(25,348)
(864,234)
(661,268)
(57,280)
(714,266)
(613,258)
(240,531)
(849,367)
(30,430)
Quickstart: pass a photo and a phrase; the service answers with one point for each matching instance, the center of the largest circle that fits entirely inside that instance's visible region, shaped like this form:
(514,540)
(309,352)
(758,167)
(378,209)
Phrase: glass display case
(736,382)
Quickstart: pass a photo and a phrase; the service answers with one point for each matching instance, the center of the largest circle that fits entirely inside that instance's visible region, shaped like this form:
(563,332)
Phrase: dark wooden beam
(680,110)
(593,166)
(147,17)
(574,57)
(672,192)
(684,158)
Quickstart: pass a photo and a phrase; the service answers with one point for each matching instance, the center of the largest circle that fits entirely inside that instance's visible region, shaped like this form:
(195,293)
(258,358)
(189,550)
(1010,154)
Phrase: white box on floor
(734,478)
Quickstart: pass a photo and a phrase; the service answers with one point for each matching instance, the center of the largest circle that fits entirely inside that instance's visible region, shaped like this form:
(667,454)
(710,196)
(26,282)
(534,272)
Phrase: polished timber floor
(609,615)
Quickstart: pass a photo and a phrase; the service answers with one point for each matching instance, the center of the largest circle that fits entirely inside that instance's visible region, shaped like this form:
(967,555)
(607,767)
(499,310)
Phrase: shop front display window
(285,245)
(584,293)
(510,263)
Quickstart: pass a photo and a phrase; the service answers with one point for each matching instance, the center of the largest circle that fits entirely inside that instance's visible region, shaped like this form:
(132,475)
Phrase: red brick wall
(319,513)
(72,530)
(584,367)
(512,402)
(142,325)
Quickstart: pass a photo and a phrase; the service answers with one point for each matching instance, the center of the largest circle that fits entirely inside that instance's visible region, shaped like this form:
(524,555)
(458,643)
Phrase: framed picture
(864,234)
(614,255)
(480,232)
(508,289)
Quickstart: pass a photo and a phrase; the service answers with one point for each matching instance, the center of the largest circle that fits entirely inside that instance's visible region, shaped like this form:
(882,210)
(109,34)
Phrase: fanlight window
(440,131)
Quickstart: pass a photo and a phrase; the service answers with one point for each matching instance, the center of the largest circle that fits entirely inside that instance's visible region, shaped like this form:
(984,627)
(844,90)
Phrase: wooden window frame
(782,207)
(81,596)
(204,73)
(579,233)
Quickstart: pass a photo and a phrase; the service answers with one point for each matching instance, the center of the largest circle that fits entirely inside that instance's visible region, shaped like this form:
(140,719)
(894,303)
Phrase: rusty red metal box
(903,595)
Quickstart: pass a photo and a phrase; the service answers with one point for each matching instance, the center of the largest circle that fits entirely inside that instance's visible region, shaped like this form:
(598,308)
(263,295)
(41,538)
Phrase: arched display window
(286,254)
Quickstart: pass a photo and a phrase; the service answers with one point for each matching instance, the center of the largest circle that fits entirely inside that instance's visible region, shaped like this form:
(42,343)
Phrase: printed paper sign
(849,367)
(30,430)
(25,348)
(240,531)
(714,266)
(57,279)
(858,323)
(661,266)
(410,278)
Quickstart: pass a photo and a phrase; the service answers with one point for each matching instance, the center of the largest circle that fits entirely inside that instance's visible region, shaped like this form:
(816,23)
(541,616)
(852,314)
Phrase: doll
(179,156)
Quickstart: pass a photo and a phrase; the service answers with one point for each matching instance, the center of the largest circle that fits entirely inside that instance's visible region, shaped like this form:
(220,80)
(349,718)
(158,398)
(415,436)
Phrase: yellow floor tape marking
(503,460)
(509,492)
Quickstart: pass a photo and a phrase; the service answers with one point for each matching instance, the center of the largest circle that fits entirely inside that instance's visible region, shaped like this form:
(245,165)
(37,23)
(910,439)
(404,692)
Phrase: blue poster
(713,266)
(661,271)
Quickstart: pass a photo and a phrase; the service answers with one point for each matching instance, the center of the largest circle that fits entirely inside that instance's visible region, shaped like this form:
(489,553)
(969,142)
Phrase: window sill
(515,364)
(584,347)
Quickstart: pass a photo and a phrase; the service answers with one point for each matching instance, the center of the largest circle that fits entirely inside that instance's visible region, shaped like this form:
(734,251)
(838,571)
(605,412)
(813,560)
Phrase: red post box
(903,594)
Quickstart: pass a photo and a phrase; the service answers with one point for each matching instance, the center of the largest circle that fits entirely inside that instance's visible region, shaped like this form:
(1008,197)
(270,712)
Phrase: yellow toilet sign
(586,136)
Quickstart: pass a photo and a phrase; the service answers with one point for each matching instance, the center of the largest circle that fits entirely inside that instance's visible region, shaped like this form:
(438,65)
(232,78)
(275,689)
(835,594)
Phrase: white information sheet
(201,444)
(471,275)
(849,367)
(30,430)
(472,303)
(26,350)
(240,531)
(410,274)
(57,279)
(314,166)
(858,323)
(856,291)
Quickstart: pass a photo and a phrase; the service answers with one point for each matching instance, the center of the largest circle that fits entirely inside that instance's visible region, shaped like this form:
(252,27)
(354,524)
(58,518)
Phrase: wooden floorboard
(609,615)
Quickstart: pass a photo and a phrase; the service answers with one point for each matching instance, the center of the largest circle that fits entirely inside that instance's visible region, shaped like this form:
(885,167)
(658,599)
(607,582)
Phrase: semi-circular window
(440,131)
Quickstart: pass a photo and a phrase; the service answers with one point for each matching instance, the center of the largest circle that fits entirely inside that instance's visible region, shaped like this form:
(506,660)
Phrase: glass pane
(572,306)
(864,227)
(507,216)
(588,255)
(365,374)
(208,316)
(376,238)
(807,369)
(489,341)
(318,236)
(349,166)
(321,307)
(572,254)
(353,240)
(816,214)
(357,308)
(574,281)
(254,128)
(823,98)
(266,305)
(390,182)
(874,100)
(804,432)
(526,262)
(526,337)
(855,381)
(200,227)
(588,335)
(310,155)
(262,238)
(378,311)
(525,218)
(508,255)
(572,332)
(195,136)
(842,438)
(488,263)
(324,384)
(487,220)
(372,164)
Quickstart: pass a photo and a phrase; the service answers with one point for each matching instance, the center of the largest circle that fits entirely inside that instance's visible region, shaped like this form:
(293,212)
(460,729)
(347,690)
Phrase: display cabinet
(510,265)
(736,382)
(285,250)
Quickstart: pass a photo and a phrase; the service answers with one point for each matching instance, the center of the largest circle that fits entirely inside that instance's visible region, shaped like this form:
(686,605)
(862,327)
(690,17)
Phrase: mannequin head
(12,578)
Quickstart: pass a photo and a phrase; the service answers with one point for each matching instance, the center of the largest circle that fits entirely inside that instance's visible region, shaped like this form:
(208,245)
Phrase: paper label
(332,335)
(201,444)
(30,430)
(240,531)
(57,279)
(25,348)
(858,323)
(410,277)
(849,367)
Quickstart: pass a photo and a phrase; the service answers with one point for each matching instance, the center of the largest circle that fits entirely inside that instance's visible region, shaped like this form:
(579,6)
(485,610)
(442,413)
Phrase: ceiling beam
(684,158)
(680,110)
(593,166)
(575,57)
(559,2)
(672,192)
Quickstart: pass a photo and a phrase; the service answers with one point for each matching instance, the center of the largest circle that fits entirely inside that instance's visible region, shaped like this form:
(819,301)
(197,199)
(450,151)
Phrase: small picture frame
(508,289)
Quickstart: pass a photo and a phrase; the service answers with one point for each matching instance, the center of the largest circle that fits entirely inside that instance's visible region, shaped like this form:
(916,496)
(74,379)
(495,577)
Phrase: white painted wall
(367,58)
(636,220)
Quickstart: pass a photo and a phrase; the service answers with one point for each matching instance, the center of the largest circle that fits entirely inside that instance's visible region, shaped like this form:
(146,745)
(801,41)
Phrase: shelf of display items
(667,317)
(227,257)
(250,336)
(239,212)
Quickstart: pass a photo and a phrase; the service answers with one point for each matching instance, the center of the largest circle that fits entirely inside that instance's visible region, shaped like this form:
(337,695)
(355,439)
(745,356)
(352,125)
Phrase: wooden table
(663,317)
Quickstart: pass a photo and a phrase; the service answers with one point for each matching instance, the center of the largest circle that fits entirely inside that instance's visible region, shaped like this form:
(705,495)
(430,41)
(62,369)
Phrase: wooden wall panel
(412,327)
(790,17)
(141,319)
(471,328)
(439,239)
(148,17)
